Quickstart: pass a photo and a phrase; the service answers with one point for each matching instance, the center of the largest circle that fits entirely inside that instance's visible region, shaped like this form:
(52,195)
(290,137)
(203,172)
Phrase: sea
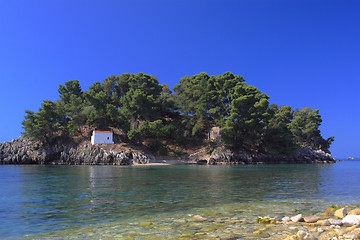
(165,202)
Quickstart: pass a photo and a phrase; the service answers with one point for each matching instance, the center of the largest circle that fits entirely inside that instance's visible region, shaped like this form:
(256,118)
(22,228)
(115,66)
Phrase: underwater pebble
(286,219)
(297,218)
(336,222)
(340,213)
(311,219)
(199,218)
(355,212)
(351,219)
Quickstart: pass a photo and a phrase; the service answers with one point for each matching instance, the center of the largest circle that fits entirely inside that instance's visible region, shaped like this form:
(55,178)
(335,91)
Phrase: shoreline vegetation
(204,120)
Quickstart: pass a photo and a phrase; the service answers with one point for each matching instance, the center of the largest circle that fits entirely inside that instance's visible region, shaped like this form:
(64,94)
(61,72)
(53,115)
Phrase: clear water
(143,202)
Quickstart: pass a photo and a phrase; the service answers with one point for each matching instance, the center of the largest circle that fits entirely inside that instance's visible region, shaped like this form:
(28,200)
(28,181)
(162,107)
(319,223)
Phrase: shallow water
(143,202)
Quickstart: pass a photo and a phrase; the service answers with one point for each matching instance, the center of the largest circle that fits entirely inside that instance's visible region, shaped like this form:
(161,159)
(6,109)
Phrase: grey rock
(25,151)
(311,219)
(340,213)
(351,220)
(297,218)
(336,222)
(286,219)
(349,236)
(302,235)
(279,218)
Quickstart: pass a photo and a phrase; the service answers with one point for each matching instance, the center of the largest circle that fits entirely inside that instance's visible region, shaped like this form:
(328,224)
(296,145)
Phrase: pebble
(336,222)
(355,212)
(297,218)
(311,219)
(302,235)
(351,219)
(324,222)
(349,229)
(349,236)
(339,232)
(261,233)
(340,213)
(199,218)
(286,219)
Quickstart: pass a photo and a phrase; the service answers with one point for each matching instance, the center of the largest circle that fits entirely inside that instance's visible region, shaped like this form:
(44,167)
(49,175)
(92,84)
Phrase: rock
(199,218)
(336,222)
(302,235)
(266,220)
(278,218)
(320,230)
(355,212)
(349,229)
(356,232)
(292,237)
(261,233)
(25,151)
(202,162)
(324,222)
(349,236)
(286,219)
(144,224)
(340,213)
(339,232)
(311,219)
(351,219)
(297,218)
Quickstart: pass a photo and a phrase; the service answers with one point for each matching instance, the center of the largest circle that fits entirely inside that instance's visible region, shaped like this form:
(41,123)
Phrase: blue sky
(302,53)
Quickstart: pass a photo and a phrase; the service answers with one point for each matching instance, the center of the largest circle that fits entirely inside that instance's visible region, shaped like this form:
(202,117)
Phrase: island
(205,120)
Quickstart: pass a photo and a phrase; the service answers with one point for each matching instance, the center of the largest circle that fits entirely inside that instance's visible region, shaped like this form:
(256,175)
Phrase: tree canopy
(145,109)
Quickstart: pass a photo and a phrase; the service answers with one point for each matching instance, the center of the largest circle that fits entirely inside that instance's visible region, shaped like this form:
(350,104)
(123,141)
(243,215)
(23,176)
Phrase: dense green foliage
(146,110)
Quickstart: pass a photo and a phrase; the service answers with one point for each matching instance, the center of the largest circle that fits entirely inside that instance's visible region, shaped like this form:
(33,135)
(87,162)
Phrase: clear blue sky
(303,53)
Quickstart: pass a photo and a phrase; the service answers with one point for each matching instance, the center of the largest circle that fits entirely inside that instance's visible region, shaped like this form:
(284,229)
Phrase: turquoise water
(81,202)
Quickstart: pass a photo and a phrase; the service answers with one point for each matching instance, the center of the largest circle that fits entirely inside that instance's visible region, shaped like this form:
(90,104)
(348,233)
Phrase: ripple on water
(230,221)
(82,202)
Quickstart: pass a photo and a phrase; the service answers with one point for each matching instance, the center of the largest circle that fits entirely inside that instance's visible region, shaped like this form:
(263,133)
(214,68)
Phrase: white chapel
(102,137)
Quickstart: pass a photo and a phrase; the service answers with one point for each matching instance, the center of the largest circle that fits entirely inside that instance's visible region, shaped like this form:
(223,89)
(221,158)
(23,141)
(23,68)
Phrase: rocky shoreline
(335,223)
(24,151)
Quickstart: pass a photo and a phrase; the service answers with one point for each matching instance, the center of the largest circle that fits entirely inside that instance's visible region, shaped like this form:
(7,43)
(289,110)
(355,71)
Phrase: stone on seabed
(349,229)
(340,213)
(286,219)
(292,237)
(302,235)
(278,218)
(336,222)
(355,212)
(261,233)
(297,218)
(356,232)
(324,222)
(199,218)
(265,220)
(351,219)
(311,219)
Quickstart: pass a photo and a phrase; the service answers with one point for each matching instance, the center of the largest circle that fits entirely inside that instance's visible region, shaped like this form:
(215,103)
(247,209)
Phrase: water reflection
(49,198)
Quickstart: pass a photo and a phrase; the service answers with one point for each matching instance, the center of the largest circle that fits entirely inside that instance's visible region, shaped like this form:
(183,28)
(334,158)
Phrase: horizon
(300,53)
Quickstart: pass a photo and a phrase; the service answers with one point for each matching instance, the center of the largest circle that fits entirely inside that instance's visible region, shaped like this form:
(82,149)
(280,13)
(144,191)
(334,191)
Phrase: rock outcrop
(302,155)
(24,151)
